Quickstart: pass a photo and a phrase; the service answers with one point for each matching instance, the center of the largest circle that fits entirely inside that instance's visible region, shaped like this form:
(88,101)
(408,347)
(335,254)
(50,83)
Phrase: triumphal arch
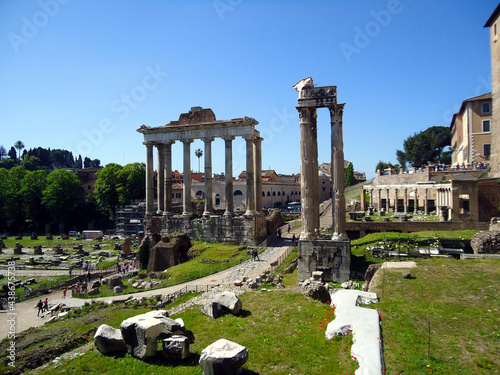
(316,253)
(199,123)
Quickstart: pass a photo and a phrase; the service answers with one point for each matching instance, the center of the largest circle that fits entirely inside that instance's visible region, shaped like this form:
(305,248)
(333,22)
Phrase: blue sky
(84,75)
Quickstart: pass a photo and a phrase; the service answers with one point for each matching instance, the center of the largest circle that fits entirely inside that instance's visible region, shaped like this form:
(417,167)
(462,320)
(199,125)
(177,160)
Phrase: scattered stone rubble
(487,242)
(139,337)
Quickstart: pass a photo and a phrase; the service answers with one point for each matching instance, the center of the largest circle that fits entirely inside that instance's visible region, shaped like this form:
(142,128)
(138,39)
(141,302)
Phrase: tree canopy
(428,146)
(349,176)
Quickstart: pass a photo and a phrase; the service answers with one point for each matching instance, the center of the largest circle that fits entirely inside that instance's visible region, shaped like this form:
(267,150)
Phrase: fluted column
(186,192)
(338,199)
(150,194)
(250,182)
(379,196)
(306,168)
(315,170)
(208,177)
(161,177)
(229,176)
(257,150)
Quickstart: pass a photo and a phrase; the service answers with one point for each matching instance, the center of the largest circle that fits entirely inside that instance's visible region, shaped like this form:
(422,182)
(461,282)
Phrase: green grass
(424,238)
(283,332)
(459,300)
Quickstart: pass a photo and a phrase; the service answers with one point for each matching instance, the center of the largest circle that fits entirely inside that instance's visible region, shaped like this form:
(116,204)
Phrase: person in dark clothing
(40,307)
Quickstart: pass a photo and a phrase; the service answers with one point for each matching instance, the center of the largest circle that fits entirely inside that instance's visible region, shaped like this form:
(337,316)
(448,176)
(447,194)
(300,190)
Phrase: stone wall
(238,230)
(488,199)
(333,258)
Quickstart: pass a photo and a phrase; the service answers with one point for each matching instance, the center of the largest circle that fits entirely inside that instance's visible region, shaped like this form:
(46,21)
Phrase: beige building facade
(471,132)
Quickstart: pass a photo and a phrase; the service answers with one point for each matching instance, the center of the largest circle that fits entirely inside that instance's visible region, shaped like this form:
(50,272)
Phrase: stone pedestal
(333,258)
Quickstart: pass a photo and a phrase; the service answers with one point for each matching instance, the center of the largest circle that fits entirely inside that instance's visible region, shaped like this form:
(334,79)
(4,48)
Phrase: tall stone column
(250,177)
(208,177)
(395,200)
(315,170)
(338,198)
(306,179)
(405,202)
(379,196)
(161,177)
(229,176)
(415,207)
(387,201)
(150,193)
(426,203)
(257,151)
(371,198)
(363,200)
(186,192)
(168,178)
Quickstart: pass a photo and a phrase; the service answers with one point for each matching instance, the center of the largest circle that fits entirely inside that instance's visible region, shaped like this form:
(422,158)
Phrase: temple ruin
(331,255)
(199,123)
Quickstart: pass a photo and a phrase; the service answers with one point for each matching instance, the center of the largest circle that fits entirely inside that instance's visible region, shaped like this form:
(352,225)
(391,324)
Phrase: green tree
(131,183)
(349,175)
(428,146)
(19,146)
(14,202)
(61,195)
(381,165)
(30,163)
(12,153)
(3,152)
(4,194)
(33,185)
(106,188)
(198,153)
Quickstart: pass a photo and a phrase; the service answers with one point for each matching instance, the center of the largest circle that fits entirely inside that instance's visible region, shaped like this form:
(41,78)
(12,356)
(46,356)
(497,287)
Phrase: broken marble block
(223,357)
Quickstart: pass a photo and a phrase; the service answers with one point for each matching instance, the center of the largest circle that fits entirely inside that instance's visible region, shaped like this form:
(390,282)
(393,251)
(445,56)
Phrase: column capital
(150,144)
(229,138)
(207,139)
(186,140)
(336,110)
(249,137)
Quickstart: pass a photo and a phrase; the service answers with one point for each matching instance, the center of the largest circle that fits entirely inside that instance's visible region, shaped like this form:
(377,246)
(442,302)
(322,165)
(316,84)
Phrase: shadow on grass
(359,265)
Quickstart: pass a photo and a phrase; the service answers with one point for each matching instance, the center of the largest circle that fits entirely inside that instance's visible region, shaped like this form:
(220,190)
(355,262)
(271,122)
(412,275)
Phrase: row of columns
(309,177)
(406,192)
(253,178)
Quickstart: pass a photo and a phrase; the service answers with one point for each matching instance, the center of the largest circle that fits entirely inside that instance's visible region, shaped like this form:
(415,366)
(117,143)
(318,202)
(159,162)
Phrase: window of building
(238,192)
(217,199)
(485,107)
(279,193)
(268,193)
(199,194)
(486,126)
(486,150)
(263,194)
(89,187)
(274,193)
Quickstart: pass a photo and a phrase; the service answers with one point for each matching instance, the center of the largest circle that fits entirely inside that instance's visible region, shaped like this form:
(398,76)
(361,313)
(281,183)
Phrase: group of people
(43,306)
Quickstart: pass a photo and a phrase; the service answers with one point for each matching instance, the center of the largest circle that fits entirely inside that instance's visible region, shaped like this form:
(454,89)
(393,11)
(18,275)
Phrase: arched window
(199,194)
(217,199)
(268,193)
(279,194)
(238,192)
(263,194)
(274,193)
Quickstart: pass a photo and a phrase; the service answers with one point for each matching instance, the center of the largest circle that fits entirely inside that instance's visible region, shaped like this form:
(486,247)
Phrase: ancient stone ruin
(168,252)
(331,256)
(199,123)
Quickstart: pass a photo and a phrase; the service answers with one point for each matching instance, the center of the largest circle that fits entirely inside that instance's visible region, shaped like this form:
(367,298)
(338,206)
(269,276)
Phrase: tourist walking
(45,305)
(288,228)
(40,307)
(64,292)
